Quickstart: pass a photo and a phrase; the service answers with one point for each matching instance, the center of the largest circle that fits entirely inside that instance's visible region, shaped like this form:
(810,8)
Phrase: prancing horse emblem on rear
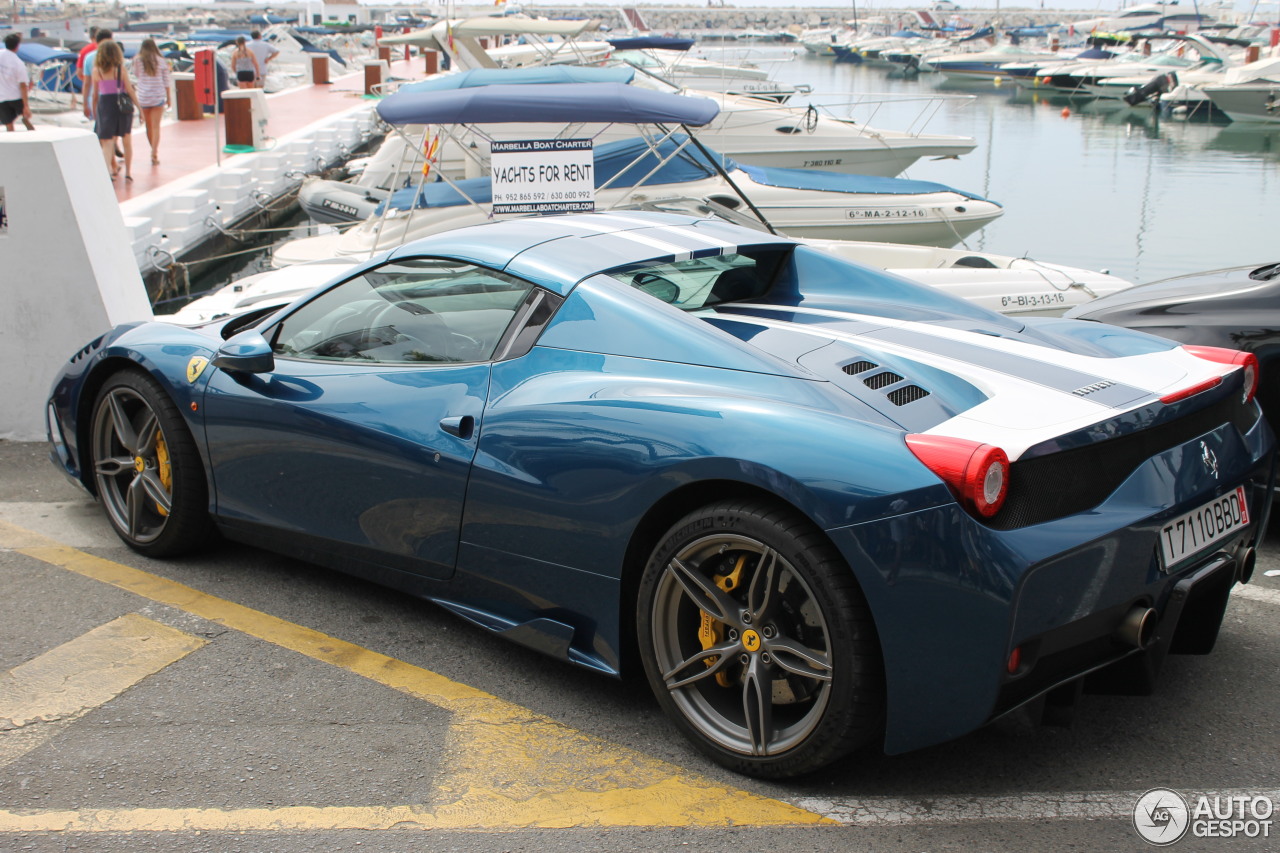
(1209,459)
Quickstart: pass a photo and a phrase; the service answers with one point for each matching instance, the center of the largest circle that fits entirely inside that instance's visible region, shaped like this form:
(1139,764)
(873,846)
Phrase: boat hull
(1248,102)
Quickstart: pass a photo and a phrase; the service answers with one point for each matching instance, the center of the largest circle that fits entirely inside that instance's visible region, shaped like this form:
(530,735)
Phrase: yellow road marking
(65,683)
(508,767)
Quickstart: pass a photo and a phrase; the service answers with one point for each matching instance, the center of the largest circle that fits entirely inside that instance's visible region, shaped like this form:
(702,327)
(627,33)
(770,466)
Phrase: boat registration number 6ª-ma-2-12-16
(1188,535)
(887,213)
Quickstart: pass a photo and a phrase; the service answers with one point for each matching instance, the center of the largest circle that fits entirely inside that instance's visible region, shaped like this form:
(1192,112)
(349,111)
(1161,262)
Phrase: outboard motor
(1152,89)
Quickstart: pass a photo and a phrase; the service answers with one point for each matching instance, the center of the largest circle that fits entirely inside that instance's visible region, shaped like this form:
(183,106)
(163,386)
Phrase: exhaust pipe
(1138,628)
(1245,562)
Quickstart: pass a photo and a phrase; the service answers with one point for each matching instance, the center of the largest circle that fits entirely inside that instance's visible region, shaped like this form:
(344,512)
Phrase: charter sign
(543,176)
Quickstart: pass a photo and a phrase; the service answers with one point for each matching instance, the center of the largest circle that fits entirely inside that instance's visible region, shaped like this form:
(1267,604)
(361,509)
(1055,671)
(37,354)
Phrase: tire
(147,469)
(758,642)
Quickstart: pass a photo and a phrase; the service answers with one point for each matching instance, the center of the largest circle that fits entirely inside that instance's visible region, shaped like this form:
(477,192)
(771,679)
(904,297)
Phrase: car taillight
(977,473)
(1246,360)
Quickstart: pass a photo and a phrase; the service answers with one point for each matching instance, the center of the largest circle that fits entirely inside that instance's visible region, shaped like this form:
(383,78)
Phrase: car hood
(1017,389)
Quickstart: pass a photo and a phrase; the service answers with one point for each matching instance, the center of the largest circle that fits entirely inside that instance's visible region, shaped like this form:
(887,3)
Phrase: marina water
(1105,187)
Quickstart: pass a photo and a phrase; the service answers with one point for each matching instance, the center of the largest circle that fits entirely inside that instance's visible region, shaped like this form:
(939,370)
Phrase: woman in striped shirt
(151,73)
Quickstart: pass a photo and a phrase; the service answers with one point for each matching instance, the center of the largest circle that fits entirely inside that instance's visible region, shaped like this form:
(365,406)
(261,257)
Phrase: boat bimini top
(568,103)
(664,121)
(540,74)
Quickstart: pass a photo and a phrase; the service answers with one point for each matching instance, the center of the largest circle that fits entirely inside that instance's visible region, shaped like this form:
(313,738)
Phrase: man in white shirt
(13,85)
(264,51)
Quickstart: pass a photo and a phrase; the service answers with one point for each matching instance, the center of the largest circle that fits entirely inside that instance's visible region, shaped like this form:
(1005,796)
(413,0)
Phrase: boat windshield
(699,207)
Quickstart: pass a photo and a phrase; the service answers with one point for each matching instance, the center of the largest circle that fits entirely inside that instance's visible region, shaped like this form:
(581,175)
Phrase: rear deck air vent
(881,380)
(907,394)
(856,367)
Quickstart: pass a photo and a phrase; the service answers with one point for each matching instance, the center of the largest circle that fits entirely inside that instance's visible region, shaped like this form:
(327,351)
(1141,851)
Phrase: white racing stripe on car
(597,223)
(1158,373)
(1075,805)
(680,252)
(684,232)
(1018,413)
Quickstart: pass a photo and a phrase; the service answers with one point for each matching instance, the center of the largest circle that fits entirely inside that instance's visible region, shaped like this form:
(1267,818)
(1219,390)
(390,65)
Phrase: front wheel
(147,469)
(758,642)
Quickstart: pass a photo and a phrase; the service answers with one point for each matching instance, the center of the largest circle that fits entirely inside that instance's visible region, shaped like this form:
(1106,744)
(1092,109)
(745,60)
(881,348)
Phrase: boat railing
(865,107)
(862,109)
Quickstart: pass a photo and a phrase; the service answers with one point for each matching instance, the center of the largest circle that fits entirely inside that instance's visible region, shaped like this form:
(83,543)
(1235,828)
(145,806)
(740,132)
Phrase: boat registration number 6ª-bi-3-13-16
(1188,535)
(887,213)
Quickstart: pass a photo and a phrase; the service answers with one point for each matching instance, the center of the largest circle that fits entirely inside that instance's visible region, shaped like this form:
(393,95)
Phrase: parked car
(822,507)
(1237,308)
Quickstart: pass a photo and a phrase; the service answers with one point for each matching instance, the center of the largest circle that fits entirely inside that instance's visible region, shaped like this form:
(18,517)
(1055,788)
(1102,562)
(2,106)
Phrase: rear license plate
(1198,530)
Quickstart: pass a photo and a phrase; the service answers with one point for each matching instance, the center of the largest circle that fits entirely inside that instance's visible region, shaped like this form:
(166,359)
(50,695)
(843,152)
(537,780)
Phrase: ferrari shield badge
(195,367)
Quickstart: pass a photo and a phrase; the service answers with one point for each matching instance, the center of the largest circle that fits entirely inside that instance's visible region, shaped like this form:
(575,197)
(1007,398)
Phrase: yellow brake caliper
(165,468)
(711,631)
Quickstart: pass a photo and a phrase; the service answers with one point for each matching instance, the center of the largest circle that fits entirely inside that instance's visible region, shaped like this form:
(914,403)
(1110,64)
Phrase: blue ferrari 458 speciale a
(821,506)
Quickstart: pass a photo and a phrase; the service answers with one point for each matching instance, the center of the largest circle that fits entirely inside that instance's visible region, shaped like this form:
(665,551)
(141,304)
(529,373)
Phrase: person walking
(89,45)
(112,93)
(264,52)
(84,62)
(151,71)
(14,85)
(245,64)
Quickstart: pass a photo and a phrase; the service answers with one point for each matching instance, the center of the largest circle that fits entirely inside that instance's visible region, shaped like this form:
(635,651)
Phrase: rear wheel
(147,468)
(758,642)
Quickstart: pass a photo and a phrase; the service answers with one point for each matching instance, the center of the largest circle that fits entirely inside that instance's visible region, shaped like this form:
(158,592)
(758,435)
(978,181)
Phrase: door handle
(461,427)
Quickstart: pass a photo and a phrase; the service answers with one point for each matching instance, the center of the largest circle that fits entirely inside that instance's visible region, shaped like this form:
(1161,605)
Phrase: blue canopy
(567,102)
(545,74)
(985,32)
(840,182)
(219,36)
(1028,32)
(611,159)
(37,54)
(652,43)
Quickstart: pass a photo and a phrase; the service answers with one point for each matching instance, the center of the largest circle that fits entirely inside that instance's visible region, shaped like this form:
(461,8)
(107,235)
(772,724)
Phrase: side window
(695,283)
(421,310)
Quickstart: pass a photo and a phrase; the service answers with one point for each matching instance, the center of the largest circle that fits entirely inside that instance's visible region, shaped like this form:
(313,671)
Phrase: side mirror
(247,352)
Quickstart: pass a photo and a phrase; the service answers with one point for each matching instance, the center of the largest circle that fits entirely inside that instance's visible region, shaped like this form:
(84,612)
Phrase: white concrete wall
(67,268)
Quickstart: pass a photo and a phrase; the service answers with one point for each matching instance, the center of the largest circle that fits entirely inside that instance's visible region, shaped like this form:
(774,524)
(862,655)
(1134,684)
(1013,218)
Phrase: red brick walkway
(188,146)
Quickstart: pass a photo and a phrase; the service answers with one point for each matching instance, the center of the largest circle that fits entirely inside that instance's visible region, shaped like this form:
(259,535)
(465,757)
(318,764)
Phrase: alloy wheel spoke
(698,664)
(147,434)
(757,705)
(760,596)
(708,598)
(113,466)
(150,480)
(135,505)
(120,423)
(798,659)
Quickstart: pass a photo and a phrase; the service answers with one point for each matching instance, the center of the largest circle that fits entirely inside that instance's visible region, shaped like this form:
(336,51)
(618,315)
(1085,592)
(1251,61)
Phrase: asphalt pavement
(242,701)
